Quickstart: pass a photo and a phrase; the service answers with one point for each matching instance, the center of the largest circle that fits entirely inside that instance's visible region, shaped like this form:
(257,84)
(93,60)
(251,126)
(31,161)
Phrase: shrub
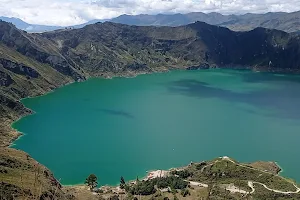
(183,174)
(200,165)
(91,181)
(185,192)
(143,188)
(175,197)
(98,191)
(171,181)
(147,187)
(115,197)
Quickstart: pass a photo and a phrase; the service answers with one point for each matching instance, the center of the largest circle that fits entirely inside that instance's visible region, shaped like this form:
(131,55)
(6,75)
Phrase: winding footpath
(234,189)
(251,183)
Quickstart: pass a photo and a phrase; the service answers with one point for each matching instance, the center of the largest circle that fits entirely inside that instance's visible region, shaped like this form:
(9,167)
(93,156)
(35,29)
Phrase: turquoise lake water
(126,126)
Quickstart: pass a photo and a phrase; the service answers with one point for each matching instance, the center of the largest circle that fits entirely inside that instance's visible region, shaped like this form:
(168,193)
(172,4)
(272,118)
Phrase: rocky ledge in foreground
(221,178)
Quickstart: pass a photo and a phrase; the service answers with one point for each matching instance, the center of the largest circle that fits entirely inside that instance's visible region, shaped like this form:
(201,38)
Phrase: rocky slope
(24,178)
(34,64)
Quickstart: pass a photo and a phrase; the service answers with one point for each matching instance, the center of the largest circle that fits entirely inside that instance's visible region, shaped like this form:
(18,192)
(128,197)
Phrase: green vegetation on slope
(24,178)
(221,178)
(225,171)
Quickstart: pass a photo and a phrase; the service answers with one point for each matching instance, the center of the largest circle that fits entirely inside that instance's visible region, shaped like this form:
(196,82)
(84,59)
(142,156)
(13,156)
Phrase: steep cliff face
(35,47)
(95,46)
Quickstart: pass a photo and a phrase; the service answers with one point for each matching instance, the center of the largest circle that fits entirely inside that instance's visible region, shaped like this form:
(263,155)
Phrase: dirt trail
(193,183)
(233,189)
(251,183)
(277,191)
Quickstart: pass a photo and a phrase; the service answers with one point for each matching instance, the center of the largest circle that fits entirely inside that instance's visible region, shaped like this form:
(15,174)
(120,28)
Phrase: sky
(71,12)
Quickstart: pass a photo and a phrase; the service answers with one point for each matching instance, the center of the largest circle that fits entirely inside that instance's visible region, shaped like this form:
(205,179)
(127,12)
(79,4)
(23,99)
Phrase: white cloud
(70,12)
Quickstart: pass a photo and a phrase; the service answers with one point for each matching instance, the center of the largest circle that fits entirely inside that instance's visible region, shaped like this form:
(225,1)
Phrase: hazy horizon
(73,12)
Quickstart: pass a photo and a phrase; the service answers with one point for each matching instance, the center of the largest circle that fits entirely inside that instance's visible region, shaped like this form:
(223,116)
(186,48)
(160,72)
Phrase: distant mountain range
(20,24)
(289,22)
(35,28)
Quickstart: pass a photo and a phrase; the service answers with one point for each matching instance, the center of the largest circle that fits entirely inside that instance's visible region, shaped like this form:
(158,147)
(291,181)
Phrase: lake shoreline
(19,134)
(154,174)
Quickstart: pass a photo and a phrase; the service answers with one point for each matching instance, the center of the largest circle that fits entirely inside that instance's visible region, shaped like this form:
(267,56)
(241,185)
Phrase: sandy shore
(157,174)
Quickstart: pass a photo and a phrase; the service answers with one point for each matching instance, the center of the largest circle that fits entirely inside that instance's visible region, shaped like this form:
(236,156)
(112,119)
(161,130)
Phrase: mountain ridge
(289,22)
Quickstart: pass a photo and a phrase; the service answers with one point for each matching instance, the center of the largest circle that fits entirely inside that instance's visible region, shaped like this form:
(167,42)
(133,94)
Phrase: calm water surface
(126,126)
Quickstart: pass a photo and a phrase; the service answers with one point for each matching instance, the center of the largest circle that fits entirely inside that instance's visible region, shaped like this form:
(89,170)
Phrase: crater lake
(128,126)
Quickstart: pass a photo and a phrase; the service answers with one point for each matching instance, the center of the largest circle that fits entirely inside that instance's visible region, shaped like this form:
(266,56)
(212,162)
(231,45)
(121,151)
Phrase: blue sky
(70,12)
